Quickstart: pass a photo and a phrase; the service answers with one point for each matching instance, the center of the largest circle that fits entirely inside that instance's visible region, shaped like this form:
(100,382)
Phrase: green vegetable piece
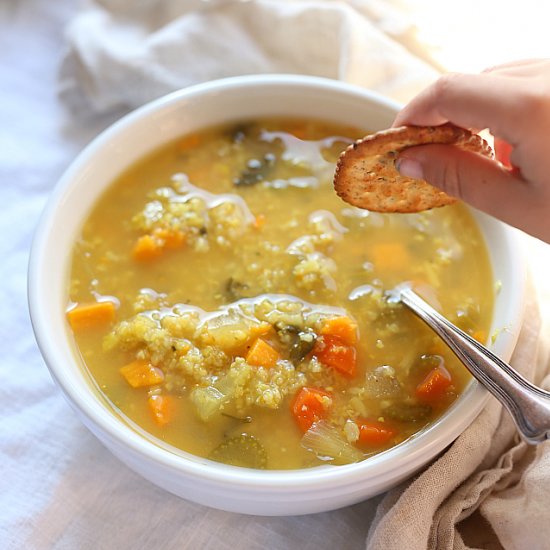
(243,450)
(407,412)
(256,171)
(236,290)
(299,343)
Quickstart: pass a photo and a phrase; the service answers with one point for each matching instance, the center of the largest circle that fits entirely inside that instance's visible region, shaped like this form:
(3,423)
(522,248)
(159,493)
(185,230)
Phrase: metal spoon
(528,405)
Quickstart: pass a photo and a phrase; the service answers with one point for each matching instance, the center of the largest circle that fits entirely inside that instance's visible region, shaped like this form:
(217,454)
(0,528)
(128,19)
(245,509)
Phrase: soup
(228,304)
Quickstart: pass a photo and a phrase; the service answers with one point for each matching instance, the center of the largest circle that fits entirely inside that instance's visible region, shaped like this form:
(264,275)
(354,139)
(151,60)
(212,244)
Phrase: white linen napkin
(127,53)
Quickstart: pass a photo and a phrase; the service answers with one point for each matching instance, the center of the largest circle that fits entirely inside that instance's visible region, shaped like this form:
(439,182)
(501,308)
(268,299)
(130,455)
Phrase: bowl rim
(408,455)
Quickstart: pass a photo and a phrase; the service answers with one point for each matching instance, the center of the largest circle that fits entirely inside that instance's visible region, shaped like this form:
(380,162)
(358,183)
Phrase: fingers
(467,100)
(479,181)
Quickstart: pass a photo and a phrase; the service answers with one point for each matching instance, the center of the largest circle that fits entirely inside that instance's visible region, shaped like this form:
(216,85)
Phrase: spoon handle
(528,405)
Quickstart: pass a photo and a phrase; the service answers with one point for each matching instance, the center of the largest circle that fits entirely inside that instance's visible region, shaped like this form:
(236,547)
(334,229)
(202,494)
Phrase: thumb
(477,180)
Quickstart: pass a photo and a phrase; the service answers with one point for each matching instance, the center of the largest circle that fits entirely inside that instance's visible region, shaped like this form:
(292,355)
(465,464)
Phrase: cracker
(366,175)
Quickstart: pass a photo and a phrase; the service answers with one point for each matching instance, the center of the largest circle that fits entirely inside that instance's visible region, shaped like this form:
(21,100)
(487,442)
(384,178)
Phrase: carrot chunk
(261,354)
(342,327)
(480,336)
(259,221)
(170,239)
(373,433)
(434,386)
(151,247)
(189,142)
(390,256)
(147,248)
(333,352)
(91,315)
(141,373)
(310,405)
(161,408)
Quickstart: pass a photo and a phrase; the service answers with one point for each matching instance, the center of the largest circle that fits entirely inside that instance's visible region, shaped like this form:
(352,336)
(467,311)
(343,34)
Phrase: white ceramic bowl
(210,483)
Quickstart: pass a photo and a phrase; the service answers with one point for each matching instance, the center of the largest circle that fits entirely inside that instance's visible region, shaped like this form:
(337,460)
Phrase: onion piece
(329,444)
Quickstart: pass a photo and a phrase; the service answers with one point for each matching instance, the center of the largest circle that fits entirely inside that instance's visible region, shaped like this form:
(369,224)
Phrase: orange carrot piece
(298,129)
(259,221)
(147,248)
(161,408)
(333,352)
(480,336)
(390,256)
(91,315)
(309,406)
(261,354)
(374,433)
(434,386)
(189,142)
(170,239)
(342,327)
(141,373)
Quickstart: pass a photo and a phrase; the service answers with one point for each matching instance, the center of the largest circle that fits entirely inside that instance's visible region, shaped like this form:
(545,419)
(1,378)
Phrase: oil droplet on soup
(227,303)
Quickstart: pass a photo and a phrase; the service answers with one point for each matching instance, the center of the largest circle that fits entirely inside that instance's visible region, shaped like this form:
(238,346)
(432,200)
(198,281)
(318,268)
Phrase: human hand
(513,102)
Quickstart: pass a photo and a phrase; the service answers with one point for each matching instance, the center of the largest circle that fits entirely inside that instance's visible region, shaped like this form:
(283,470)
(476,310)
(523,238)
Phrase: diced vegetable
(408,412)
(170,239)
(480,336)
(259,221)
(161,408)
(210,400)
(261,354)
(333,352)
(147,248)
(435,385)
(235,290)
(304,344)
(390,256)
(467,318)
(189,142)
(341,327)
(151,247)
(297,129)
(229,331)
(382,383)
(256,171)
(328,443)
(243,450)
(298,342)
(260,330)
(141,373)
(374,433)
(309,406)
(92,315)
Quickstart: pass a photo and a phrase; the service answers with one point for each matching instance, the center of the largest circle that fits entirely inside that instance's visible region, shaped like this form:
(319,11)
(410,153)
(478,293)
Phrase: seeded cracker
(366,176)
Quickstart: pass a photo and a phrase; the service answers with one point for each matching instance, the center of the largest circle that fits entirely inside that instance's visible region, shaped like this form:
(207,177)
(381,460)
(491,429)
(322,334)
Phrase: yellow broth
(241,222)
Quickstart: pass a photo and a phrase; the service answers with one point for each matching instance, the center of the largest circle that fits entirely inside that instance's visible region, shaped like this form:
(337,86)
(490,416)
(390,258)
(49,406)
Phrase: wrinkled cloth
(125,54)
(60,488)
(487,473)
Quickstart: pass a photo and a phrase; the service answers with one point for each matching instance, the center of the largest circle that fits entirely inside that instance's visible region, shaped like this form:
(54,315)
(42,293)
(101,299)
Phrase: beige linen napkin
(488,490)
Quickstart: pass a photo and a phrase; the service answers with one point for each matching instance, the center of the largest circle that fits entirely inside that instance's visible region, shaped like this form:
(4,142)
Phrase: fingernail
(410,168)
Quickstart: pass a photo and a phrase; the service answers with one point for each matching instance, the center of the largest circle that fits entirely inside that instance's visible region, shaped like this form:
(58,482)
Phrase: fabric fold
(126,57)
